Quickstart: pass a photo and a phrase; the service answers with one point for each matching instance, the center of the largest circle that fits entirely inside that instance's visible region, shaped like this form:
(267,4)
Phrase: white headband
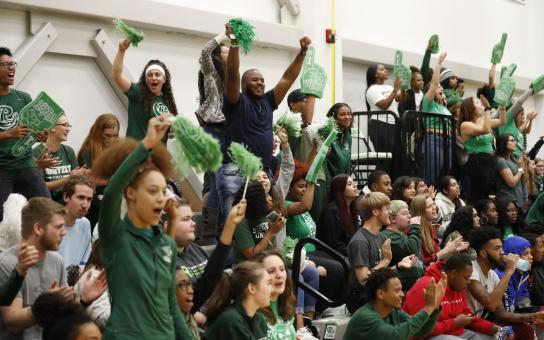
(155,67)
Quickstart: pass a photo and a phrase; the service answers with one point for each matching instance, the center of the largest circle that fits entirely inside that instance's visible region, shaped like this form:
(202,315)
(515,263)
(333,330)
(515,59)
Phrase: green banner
(319,159)
(313,78)
(39,115)
(402,72)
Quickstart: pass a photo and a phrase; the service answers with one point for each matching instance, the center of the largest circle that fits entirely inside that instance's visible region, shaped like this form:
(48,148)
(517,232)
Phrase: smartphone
(477,312)
(272,217)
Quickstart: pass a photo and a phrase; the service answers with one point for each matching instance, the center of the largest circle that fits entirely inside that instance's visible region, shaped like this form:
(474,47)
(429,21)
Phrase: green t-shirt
(339,160)
(137,117)
(507,232)
(301,226)
(10,106)
(247,236)
(281,330)
(434,123)
(480,144)
(511,129)
(68,162)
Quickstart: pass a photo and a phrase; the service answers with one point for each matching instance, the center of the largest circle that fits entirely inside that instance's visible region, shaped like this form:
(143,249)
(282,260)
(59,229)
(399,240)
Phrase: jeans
(218,131)
(27,182)
(306,302)
(437,157)
(228,180)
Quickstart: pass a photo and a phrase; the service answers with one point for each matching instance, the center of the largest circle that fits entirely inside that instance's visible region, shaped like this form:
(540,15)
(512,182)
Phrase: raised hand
(28,256)
(238,212)
(305,42)
(396,84)
(511,261)
(531,115)
(278,225)
(282,135)
(407,262)
(228,31)
(415,220)
(484,101)
(429,295)
(124,45)
(67,293)
(387,254)
(156,128)
(45,160)
(442,57)
(93,288)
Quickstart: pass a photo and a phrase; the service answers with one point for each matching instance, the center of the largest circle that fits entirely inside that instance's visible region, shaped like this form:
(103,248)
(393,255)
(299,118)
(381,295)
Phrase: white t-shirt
(490,282)
(418,98)
(75,247)
(375,94)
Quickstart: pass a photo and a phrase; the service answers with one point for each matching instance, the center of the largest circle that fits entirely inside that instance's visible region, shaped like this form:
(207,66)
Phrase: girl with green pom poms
(151,97)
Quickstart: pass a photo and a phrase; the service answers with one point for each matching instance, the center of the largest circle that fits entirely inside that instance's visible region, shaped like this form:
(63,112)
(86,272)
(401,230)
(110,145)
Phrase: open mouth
(11,75)
(157,212)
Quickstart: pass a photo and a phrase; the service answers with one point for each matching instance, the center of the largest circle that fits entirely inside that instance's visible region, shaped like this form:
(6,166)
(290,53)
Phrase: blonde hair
(396,205)
(371,201)
(418,207)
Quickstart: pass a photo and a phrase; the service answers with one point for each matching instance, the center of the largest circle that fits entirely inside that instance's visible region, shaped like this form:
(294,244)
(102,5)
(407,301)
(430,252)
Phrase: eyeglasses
(8,64)
(66,125)
(184,284)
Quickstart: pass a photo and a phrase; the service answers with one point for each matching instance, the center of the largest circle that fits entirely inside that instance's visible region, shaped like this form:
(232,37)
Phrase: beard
(495,264)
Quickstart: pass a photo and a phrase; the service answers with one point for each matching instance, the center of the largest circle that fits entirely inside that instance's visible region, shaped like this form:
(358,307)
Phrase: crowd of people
(106,247)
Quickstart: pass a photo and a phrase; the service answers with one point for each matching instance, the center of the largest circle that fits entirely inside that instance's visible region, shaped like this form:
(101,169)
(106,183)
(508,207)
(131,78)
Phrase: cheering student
(151,97)
(140,260)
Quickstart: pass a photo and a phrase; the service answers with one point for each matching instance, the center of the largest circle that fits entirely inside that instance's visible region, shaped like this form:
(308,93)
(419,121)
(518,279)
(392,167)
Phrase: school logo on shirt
(167,254)
(8,118)
(259,231)
(160,108)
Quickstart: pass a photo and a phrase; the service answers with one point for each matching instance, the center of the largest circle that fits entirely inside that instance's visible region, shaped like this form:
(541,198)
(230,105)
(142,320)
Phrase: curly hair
(461,221)
(287,301)
(148,98)
(256,201)
(379,280)
(110,160)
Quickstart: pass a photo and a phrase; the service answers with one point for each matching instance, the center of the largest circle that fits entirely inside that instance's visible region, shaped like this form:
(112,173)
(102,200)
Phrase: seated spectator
(383,318)
(455,318)
(536,213)
(508,222)
(340,218)
(63,319)
(369,250)
(280,314)
(447,201)
(378,180)
(517,294)
(535,234)
(43,228)
(486,289)
(233,311)
(75,247)
(423,189)
(487,211)
(474,130)
(185,297)
(424,207)
(102,134)
(509,172)
(27,257)
(204,271)
(404,189)
(405,235)
(462,222)
(65,165)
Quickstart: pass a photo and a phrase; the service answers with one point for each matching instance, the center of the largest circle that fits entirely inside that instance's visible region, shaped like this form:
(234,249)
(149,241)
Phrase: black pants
(27,182)
(331,285)
(480,168)
(386,138)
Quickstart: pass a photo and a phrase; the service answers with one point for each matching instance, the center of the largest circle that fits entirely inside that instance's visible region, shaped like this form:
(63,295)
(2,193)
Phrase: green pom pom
(244,33)
(291,122)
(287,250)
(130,33)
(326,130)
(453,97)
(248,163)
(434,44)
(196,148)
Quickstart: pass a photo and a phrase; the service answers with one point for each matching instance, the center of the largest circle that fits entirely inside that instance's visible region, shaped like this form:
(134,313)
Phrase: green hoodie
(366,323)
(140,267)
(234,323)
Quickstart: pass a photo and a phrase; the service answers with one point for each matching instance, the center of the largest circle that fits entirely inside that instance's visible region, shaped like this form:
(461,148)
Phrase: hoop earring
(483,220)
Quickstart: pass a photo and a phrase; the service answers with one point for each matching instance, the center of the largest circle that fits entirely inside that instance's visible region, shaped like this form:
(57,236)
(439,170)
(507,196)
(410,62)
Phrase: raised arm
(232,74)
(425,63)
(308,113)
(292,72)
(528,125)
(491,77)
(435,81)
(471,129)
(305,203)
(287,166)
(496,122)
(123,83)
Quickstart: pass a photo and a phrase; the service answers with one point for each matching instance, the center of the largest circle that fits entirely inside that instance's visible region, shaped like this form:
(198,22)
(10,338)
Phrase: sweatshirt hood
(435,271)
(441,197)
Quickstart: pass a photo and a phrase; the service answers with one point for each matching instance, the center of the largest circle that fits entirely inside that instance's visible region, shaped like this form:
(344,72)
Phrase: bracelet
(234,45)
(520,170)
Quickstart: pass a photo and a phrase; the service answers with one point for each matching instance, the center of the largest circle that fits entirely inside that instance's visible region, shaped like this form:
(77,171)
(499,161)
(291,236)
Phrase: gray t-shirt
(489,281)
(364,250)
(503,190)
(38,280)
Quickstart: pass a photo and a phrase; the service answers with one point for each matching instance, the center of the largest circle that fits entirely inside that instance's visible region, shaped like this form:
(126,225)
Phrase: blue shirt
(249,122)
(75,247)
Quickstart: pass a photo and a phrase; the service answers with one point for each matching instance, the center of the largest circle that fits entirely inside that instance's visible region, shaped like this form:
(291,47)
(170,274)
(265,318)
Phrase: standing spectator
(447,201)
(66,165)
(234,310)
(383,317)
(415,94)
(448,78)
(487,211)
(43,228)
(75,247)
(140,260)
(340,218)
(475,131)
(404,189)
(517,127)
(369,250)
(455,319)
(151,97)
(249,118)
(17,174)
(405,235)
(102,134)
(509,171)
(378,180)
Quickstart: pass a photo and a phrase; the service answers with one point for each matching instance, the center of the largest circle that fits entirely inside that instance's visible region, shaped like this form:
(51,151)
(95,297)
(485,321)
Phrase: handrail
(306,287)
